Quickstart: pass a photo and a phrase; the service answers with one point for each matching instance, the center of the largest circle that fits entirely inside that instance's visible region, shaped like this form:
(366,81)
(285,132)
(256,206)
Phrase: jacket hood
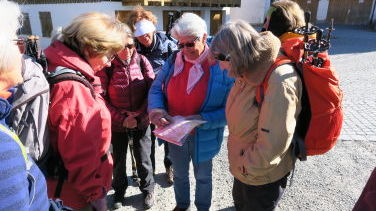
(58,54)
(34,83)
(257,72)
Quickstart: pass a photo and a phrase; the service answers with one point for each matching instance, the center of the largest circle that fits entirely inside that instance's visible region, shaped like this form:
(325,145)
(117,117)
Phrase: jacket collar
(59,54)
(288,35)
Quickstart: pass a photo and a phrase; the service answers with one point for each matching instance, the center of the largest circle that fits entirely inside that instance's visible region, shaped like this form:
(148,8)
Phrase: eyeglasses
(221,57)
(19,41)
(130,46)
(189,44)
(111,57)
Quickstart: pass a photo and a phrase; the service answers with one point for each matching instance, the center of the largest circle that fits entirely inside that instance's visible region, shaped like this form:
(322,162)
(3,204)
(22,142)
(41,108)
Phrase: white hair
(10,22)
(10,18)
(189,24)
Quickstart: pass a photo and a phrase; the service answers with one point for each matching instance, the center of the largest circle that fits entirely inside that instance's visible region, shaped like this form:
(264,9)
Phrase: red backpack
(320,121)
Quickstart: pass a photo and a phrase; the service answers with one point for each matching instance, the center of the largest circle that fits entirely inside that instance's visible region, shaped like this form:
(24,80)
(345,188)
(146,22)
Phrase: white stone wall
(322,10)
(251,11)
(62,14)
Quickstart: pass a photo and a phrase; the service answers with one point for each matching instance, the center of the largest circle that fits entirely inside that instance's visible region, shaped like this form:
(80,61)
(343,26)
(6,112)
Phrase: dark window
(26,27)
(166,18)
(46,22)
(176,15)
(122,15)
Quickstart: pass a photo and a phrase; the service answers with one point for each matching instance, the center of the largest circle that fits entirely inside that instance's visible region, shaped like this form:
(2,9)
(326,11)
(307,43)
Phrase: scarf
(195,72)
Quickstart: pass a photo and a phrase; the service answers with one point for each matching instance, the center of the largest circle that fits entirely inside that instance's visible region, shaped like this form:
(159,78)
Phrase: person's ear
(204,37)
(86,53)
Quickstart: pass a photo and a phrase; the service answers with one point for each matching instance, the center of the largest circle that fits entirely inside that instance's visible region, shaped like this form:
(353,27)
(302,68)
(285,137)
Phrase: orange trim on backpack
(261,89)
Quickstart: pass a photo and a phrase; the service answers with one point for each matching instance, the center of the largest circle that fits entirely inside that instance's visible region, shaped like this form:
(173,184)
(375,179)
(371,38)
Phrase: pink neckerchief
(196,71)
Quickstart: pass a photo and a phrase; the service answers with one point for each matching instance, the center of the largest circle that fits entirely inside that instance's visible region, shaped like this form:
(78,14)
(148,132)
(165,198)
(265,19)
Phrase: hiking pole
(330,29)
(307,18)
(131,135)
(317,48)
(170,23)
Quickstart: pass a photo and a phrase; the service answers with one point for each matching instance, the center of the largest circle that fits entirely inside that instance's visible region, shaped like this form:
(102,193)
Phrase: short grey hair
(242,43)
(10,22)
(10,18)
(189,24)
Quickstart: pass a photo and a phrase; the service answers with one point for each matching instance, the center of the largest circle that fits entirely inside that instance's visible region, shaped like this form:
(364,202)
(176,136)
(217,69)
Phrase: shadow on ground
(161,180)
(351,39)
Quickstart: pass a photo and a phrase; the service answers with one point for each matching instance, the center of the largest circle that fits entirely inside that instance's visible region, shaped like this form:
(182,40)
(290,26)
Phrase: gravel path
(332,181)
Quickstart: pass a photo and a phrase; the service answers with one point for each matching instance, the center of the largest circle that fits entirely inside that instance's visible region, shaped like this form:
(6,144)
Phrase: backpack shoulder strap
(66,74)
(261,89)
(141,64)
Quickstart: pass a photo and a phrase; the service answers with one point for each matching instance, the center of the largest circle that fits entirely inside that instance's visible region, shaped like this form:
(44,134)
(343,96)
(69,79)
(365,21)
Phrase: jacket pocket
(32,191)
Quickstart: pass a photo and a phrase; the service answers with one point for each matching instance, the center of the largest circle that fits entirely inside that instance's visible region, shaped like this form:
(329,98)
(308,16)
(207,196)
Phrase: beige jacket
(259,143)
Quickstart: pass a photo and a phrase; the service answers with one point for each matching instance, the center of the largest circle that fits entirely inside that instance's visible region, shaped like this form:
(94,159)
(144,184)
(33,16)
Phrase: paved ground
(330,182)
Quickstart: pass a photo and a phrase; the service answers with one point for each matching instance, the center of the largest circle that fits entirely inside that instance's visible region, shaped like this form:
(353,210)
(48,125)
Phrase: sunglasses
(221,57)
(188,45)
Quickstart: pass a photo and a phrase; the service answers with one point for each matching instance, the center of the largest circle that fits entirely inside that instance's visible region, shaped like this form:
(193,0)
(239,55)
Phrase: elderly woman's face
(191,46)
(98,62)
(127,52)
(146,39)
(12,75)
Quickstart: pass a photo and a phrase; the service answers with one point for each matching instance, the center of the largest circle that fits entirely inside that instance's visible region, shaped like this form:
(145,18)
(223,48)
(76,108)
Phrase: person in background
(127,84)
(282,18)
(79,121)
(22,184)
(157,47)
(259,143)
(192,85)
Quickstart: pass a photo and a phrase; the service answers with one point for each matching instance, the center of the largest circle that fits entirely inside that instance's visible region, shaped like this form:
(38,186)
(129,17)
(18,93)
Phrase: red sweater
(181,103)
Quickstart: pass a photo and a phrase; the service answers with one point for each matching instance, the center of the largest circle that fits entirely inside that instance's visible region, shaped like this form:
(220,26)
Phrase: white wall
(322,10)
(62,14)
(251,11)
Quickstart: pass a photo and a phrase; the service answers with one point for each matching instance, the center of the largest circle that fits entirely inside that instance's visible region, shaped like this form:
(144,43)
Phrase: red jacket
(127,89)
(80,128)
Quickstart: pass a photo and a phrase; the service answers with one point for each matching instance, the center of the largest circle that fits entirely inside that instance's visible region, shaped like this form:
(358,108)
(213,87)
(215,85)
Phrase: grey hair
(242,43)
(10,18)
(10,22)
(189,24)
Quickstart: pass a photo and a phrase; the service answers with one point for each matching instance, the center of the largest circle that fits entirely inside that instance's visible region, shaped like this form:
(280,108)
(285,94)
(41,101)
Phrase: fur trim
(256,73)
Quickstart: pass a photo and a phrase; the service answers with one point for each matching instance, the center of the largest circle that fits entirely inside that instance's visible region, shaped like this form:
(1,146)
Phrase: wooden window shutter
(46,23)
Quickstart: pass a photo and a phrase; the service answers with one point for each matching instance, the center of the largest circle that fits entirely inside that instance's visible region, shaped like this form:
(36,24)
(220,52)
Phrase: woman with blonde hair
(282,18)
(260,136)
(79,121)
(22,184)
